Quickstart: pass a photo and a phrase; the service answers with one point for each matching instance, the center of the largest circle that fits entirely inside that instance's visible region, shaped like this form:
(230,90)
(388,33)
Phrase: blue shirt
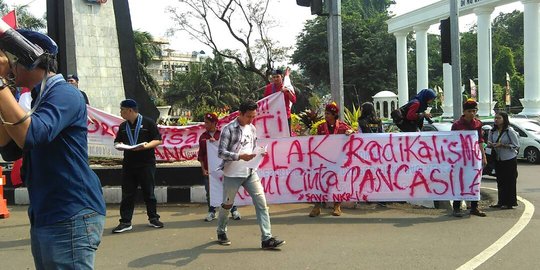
(59,179)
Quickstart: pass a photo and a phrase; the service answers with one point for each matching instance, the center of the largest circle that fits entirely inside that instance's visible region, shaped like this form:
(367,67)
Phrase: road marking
(504,239)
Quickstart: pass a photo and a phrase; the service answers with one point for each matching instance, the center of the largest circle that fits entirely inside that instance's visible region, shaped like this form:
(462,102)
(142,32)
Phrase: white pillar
(531,23)
(485,78)
(401,59)
(447,91)
(421,57)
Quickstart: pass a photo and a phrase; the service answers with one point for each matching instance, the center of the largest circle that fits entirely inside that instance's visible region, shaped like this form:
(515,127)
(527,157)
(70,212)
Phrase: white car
(529,137)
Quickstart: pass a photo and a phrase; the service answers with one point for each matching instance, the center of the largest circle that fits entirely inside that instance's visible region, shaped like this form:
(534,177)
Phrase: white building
(418,21)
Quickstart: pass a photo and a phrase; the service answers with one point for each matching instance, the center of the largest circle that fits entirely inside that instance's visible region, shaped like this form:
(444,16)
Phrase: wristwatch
(3,83)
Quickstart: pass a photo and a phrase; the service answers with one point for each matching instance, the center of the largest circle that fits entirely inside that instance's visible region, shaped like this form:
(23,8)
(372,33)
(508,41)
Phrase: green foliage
(369,62)
(24,18)
(499,94)
(297,126)
(351,116)
(504,63)
(183,121)
(200,110)
(313,129)
(215,83)
(146,50)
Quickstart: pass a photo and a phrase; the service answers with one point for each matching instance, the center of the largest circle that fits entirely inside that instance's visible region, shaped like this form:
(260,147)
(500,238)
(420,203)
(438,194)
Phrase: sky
(151,16)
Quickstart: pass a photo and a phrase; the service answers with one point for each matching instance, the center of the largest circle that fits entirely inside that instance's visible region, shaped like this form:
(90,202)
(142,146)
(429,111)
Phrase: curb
(113,194)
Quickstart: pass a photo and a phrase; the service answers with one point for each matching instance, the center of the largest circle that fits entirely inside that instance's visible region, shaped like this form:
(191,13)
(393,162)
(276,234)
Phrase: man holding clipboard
(137,137)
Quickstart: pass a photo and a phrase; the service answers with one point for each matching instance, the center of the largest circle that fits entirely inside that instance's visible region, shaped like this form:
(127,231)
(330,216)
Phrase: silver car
(529,137)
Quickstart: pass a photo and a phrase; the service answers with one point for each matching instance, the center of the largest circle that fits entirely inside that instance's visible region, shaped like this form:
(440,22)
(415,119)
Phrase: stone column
(447,91)
(421,57)
(531,100)
(485,78)
(401,59)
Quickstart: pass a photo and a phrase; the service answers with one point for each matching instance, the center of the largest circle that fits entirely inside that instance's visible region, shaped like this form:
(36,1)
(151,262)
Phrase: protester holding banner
(67,209)
(210,135)
(237,144)
(415,111)
(504,142)
(369,122)
(468,121)
(277,85)
(139,136)
(331,125)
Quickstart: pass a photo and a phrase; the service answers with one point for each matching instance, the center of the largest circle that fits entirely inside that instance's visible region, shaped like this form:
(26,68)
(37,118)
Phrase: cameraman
(67,209)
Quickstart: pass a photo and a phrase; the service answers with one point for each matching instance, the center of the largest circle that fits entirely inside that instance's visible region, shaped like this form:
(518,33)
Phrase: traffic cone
(4,212)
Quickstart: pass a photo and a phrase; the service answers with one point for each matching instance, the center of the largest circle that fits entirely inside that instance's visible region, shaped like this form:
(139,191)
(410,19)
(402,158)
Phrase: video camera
(28,54)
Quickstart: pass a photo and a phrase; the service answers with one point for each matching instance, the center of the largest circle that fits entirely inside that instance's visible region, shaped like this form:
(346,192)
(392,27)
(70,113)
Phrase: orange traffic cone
(4,212)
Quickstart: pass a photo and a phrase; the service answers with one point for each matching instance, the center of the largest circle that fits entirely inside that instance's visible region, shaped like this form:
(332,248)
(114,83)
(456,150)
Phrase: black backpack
(399,118)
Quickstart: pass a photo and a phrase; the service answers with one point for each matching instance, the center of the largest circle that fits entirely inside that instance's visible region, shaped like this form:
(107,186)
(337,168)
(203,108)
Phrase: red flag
(11,19)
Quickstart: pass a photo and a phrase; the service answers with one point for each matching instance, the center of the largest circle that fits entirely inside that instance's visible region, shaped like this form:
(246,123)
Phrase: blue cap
(73,76)
(277,72)
(128,103)
(42,40)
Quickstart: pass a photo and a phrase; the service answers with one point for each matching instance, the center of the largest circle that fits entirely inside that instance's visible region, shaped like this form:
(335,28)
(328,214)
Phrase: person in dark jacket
(141,134)
(416,110)
(368,122)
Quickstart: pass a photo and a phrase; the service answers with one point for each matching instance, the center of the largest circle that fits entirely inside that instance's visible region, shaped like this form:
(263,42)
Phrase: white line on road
(504,239)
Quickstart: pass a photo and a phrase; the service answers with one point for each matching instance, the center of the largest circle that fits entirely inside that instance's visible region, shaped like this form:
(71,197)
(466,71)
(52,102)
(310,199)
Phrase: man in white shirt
(237,143)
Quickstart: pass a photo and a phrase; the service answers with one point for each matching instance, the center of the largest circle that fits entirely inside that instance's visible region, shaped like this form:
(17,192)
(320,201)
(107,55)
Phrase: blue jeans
(212,209)
(253,186)
(69,244)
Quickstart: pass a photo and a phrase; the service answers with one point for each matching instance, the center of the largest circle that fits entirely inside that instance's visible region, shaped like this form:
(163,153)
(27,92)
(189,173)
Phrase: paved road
(368,237)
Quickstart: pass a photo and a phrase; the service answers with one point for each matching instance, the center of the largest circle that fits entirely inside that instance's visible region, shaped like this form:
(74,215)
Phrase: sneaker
(315,211)
(211,216)
(155,223)
(457,213)
(223,240)
(236,215)
(272,243)
(122,227)
(477,213)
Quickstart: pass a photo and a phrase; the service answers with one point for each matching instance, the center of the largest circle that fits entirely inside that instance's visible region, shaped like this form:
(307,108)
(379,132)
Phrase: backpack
(399,118)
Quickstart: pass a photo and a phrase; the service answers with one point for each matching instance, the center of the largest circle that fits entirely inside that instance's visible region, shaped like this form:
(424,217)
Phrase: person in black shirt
(139,164)
(368,122)
(74,80)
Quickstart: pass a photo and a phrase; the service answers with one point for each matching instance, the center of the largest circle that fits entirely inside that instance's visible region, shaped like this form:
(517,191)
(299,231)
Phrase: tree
(213,84)
(145,50)
(24,18)
(246,22)
(369,61)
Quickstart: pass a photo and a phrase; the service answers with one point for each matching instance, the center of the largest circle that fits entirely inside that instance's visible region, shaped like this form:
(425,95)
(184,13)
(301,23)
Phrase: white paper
(488,150)
(121,146)
(256,161)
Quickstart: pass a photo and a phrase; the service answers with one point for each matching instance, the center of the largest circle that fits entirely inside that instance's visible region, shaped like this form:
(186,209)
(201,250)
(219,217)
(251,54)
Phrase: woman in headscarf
(415,111)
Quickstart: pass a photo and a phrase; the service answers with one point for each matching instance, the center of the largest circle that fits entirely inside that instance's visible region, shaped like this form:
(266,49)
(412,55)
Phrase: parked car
(529,137)
(437,126)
